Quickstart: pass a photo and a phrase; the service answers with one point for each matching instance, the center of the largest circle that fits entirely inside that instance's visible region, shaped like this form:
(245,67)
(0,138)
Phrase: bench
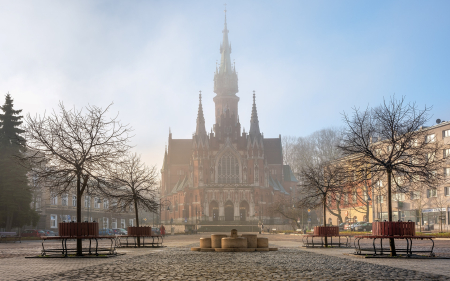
(10,235)
(325,232)
(143,232)
(392,230)
(65,250)
(79,230)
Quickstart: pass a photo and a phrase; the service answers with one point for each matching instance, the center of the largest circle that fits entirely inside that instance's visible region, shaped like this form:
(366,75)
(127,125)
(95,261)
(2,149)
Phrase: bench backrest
(5,234)
(385,228)
(140,231)
(326,230)
(78,229)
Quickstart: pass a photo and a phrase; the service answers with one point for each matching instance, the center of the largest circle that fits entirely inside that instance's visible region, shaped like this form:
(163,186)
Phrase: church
(226,174)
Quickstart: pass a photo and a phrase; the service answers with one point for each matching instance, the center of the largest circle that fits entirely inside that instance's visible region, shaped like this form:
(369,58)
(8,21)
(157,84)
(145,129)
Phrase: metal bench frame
(6,235)
(143,243)
(90,251)
(311,244)
(381,251)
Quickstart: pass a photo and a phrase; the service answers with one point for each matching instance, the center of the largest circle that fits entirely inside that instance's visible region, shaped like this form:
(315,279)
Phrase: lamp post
(161,202)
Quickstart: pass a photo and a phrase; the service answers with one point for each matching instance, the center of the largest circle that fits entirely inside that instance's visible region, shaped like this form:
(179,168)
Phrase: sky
(308,61)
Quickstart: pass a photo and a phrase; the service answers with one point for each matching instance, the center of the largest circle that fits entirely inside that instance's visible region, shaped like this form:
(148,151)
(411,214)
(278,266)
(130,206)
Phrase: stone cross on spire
(200,131)
(254,123)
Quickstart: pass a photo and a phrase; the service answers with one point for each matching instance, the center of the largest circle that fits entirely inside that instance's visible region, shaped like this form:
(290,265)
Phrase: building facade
(226,174)
(428,207)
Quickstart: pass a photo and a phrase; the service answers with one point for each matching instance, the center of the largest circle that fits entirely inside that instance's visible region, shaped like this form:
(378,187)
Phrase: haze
(307,61)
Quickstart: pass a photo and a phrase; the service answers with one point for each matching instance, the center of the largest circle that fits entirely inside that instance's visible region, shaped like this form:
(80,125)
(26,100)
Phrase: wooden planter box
(140,231)
(326,230)
(400,228)
(77,229)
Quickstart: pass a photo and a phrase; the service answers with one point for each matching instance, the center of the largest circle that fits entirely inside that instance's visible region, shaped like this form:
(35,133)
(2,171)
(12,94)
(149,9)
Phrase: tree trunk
(137,221)
(79,240)
(325,218)
(391,240)
(9,218)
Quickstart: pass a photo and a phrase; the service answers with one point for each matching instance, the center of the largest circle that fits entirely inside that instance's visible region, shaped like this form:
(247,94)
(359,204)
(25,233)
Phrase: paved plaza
(177,262)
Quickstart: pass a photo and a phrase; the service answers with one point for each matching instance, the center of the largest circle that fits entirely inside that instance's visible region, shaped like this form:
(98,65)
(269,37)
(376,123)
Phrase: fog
(307,61)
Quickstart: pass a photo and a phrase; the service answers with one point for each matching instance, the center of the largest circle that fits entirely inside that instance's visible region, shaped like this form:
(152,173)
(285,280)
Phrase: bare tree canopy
(391,143)
(74,146)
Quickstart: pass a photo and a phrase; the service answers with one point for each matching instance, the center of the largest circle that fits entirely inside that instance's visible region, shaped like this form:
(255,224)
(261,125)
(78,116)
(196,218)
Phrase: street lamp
(161,202)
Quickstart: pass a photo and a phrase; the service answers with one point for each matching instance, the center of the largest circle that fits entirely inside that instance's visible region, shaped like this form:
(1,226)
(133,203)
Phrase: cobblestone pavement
(177,262)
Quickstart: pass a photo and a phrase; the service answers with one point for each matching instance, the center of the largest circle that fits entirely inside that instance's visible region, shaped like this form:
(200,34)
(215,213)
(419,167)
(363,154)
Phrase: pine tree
(15,194)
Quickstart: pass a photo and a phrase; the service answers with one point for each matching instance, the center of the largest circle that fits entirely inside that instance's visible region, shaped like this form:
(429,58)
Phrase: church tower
(226,81)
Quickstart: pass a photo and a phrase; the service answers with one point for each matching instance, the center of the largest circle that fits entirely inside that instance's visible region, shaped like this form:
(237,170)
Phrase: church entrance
(214,210)
(229,211)
(243,209)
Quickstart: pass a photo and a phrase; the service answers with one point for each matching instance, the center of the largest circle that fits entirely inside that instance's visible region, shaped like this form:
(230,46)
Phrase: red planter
(140,231)
(78,229)
(385,228)
(326,230)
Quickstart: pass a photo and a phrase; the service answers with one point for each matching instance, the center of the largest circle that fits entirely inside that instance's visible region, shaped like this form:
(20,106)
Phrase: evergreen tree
(15,194)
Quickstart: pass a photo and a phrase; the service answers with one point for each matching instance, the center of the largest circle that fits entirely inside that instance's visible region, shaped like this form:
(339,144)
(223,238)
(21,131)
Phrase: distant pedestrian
(163,231)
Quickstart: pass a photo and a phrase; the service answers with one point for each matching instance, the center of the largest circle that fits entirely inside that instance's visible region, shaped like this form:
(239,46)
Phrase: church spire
(200,131)
(254,123)
(225,78)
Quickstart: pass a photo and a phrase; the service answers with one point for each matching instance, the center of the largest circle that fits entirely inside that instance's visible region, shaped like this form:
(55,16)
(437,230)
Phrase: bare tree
(320,181)
(73,147)
(132,183)
(287,208)
(441,202)
(390,141)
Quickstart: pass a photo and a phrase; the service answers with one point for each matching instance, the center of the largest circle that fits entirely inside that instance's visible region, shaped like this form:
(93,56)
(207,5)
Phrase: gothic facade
(227,174)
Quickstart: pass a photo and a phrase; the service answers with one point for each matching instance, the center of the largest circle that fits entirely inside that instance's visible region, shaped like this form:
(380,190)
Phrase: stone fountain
(234,243)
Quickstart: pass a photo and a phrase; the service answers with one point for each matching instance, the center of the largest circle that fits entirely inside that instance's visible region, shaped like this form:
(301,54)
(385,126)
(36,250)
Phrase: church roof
(180,185)
(272,150)
(277,185)
(288,174)
(180,151)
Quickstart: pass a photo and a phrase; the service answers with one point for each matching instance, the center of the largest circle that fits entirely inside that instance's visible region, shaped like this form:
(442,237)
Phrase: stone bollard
(205,243)
(263,243)
(216,240)
(252,240)
(234,242)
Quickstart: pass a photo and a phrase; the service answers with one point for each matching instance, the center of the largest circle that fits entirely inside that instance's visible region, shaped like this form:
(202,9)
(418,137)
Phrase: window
(105,204)
(74,218)
(130,222)
(64,199)
(430,138)
(74,200)
(354,198)
(53,221)
(446,152)
(415,143)
(113,223)
(195,198)
(180,172)
(122,223)
(380,199)
(447,172)
(54,199)
(415,195)
(105,222)
(399,197)
(87,201)
(131,208)
(447,190)
(228,169)
(37,203)
(97,203)
(445,133)
(430,156)
(366,196)
(431,193)
(379,183)
(346,199)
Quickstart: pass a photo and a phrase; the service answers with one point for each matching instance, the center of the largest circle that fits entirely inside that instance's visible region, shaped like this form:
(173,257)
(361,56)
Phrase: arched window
(228,169)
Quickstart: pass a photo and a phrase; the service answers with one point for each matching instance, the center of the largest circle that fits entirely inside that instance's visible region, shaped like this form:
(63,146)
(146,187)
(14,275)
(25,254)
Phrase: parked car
(50,233)
(33,233)
(119,231)
(353,226)
(343,226)
(106,231)
(363,226)
(156,231)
